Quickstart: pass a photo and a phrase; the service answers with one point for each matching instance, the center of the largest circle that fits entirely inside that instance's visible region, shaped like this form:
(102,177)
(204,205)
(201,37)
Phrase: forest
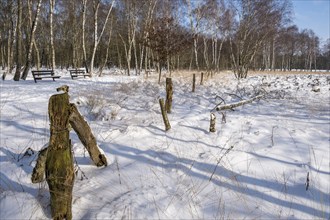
(208,35)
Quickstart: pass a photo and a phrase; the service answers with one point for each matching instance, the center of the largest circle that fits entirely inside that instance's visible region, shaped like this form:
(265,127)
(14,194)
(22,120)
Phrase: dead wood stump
(56,160)
(86,136)
(212,122)
(165,119)
(59,162)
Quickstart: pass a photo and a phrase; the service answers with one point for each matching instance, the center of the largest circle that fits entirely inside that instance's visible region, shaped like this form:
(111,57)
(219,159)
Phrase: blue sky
(313,14)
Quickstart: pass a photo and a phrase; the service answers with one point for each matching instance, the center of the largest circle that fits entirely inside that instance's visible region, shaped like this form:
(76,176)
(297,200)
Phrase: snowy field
(254,166)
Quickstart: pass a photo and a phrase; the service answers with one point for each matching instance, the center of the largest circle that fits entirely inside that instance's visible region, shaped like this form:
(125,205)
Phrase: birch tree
(84,8)
(18,41)
(30,42)
(256,21)
(147,22)
(195,16)
(51,13)
(128,38)
(97,37)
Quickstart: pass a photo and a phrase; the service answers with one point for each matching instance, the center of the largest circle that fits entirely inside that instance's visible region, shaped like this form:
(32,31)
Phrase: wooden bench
(43,74)
(78,72)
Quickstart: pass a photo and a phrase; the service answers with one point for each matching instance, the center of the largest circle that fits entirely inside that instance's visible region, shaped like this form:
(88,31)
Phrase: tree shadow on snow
(8,184)
(225,178)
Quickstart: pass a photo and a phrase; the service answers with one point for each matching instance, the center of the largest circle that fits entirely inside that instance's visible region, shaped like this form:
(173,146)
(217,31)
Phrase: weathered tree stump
(166,121)
(86,136)
(212,122)
(169,95)
(59,162)
(56,160)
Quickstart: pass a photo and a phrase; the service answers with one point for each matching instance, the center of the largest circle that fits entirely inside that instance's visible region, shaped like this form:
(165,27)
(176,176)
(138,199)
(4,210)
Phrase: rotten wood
(56,160)
(59,160)
(81,127)
(164,114)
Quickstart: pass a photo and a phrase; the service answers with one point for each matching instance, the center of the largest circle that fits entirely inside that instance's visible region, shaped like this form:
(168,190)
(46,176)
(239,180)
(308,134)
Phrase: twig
(227,151)
(234,95)
(307,181)
(223,101)
(77,169)
(117,165)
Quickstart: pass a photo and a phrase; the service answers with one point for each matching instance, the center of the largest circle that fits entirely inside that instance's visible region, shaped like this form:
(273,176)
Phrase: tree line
(138,35)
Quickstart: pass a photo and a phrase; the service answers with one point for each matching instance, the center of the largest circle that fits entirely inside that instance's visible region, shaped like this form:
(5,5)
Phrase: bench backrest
(78,71)
(42,72)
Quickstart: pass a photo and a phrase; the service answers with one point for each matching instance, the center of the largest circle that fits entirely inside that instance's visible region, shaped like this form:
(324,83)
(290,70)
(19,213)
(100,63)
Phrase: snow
(254,166)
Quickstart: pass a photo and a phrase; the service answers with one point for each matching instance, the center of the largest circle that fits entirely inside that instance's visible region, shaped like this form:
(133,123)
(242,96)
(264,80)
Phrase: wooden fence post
(56,159)
(202,78)
(164,114)
(194,82)
(212,122)
(59,162)
(169,95)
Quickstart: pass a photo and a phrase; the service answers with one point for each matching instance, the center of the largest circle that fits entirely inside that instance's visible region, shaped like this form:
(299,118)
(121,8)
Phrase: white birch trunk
(29,54)
(97,38)
(83,33)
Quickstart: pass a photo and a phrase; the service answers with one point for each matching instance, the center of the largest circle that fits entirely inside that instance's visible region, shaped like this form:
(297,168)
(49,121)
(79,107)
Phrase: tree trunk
(83,34)
(18,42)
(160,72)
(169,95)
(59,161)
(97,38)
(10,41)
(137,69)
(29,54)
(86,136)
(205,53)
(51,13)
(119,56)
(237,104)
(107,51)
(96,8)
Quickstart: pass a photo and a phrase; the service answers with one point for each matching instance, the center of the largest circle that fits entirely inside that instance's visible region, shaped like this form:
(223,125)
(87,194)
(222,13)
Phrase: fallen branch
(236,104)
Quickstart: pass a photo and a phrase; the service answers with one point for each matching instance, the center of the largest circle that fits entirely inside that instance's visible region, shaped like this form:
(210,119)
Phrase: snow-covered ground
(255,166)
